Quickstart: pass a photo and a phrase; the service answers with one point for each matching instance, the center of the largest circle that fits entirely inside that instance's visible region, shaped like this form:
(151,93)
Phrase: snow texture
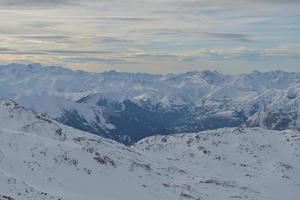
(43,159)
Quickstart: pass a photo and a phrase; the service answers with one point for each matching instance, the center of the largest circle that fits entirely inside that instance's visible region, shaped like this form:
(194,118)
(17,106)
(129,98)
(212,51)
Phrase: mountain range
(128,107)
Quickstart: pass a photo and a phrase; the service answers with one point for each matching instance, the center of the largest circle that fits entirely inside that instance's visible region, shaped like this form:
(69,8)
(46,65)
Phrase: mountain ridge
(130,106)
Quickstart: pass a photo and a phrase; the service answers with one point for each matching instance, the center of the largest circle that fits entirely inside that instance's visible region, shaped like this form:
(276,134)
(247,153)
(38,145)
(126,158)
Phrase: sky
(154,36)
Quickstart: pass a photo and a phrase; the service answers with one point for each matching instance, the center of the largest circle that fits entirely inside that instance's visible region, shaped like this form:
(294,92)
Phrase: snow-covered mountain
(228,163)
(130,106)
(43,159)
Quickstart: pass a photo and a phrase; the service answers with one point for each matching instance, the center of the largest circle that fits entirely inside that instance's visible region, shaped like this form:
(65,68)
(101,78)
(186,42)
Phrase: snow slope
(42,159)
(233,163)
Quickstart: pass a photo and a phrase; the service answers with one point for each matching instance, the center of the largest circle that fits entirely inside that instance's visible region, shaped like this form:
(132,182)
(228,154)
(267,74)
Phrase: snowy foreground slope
(127,107)
(42,159)
(233,163)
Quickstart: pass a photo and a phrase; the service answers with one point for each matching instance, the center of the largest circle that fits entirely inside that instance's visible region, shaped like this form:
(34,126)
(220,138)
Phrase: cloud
(5,49)
(243,53)
(219,54)
(124,18)
(230,36)
(78,51)
(35,3)
(114,40)
(111,61)
(119,33)
(43,24)
(8,51)
(274,1)
(200,34)
(155,56)
(45,37)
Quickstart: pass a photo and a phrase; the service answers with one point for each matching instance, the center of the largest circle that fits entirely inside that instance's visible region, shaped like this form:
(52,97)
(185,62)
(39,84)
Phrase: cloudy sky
(157,36)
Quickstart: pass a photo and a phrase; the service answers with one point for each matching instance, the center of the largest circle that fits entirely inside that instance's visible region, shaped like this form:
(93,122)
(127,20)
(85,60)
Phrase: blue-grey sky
(156,36)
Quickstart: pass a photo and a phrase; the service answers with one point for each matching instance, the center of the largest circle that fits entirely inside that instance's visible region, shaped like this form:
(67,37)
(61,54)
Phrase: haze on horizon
(157,36)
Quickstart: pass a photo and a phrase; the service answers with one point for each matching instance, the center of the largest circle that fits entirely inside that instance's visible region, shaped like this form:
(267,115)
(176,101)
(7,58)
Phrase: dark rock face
(4,197)
(278,119)
(136,121)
